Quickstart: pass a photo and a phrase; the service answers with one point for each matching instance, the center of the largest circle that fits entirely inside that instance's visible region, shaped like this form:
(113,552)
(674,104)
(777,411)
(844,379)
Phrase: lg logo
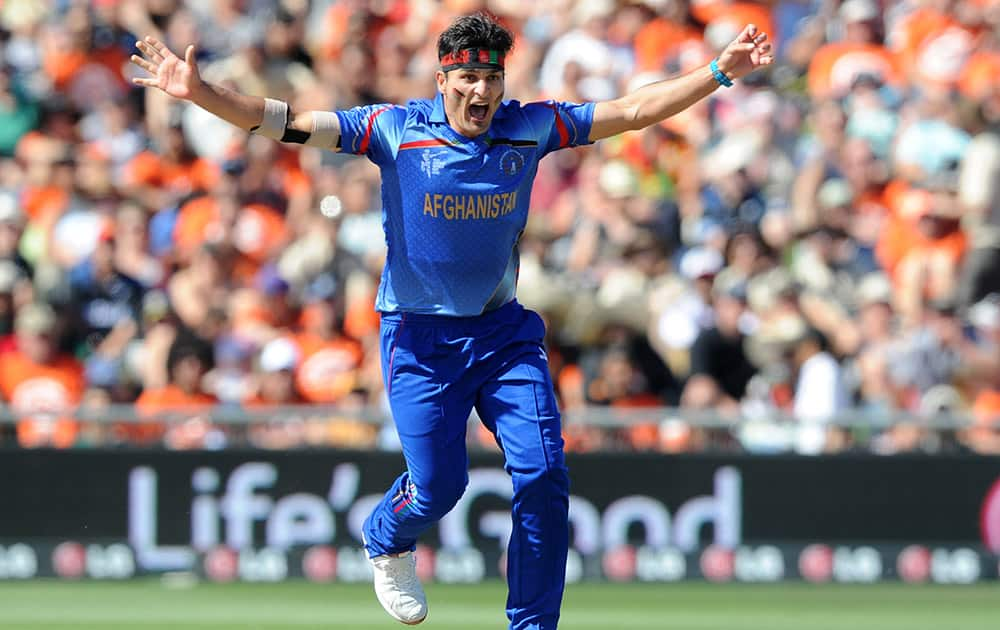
(989,519)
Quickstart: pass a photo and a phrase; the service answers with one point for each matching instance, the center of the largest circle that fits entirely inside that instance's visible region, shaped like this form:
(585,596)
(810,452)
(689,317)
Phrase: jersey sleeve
(561,125)
(372,130)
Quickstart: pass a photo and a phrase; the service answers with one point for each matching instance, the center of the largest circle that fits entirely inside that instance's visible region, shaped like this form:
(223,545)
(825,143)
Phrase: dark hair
(479,30)
(186,346)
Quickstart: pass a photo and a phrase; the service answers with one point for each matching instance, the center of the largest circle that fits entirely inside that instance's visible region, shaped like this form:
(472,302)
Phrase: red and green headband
(473,58)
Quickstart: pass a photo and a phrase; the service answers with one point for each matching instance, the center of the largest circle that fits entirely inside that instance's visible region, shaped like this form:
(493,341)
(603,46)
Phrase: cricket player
(457,173)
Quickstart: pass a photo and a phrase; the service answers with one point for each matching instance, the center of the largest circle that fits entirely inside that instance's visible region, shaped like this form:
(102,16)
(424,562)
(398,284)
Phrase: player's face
(471,98)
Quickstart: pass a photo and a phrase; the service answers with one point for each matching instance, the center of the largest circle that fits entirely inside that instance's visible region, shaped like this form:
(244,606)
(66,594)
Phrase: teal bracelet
(719,75)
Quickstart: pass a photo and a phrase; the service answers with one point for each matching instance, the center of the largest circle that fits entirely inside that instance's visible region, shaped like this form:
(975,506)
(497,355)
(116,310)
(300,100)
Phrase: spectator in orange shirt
(663,36)
(163,177)
(182,396)
(330,361)
(935,39)
(38,379)
(255,231)
(929,269)
(983,436)
(836,64)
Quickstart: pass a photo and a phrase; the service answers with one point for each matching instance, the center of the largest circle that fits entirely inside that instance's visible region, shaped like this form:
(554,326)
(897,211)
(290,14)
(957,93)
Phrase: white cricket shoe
(398,588)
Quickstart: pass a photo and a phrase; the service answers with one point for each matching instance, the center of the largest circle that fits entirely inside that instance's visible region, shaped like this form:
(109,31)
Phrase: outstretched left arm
(653,103)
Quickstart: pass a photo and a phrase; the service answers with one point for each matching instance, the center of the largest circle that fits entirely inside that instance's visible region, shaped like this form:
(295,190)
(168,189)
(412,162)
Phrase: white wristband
(275,119)
(325,130)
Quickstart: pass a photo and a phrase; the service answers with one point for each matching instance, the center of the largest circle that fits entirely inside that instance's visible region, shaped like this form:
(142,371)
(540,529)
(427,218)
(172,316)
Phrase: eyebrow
(475,72)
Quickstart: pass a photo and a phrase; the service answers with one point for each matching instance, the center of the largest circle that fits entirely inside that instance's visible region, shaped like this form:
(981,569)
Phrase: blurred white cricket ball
(331,206)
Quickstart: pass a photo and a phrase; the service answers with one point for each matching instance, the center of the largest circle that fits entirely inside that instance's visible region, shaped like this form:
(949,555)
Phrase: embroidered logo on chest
(431,162)
(511,163)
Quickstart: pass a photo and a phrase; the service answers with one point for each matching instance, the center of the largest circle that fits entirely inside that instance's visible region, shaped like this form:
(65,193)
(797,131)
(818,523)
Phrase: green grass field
(148,605)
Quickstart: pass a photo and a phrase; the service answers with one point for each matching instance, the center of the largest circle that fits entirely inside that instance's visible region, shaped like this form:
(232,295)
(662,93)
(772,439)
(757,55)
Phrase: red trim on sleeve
(560,126)
(371,124)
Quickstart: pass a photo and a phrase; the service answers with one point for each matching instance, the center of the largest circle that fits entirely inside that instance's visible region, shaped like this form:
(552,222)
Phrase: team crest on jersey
(511,163)
(431,162)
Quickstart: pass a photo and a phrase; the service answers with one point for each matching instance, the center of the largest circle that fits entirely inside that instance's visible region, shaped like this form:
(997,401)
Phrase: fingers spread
(155,43)
(144,64)
(148,50)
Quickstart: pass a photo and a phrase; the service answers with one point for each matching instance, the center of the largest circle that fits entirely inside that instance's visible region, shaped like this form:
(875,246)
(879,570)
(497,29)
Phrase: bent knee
(436,499)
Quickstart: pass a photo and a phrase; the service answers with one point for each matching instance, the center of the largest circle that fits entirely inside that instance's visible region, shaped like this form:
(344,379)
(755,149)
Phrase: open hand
(748,52)
(175,76)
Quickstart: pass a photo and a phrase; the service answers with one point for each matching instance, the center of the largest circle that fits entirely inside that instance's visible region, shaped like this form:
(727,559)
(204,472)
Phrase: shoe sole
(364,545)
(413,623)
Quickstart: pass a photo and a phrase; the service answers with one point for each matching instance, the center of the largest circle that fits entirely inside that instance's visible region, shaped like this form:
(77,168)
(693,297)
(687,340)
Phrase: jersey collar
(438,115)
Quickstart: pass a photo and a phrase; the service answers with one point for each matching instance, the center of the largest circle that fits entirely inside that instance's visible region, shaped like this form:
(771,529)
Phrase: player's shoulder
(517,108)
(421,108)
(538,110)
(515,112)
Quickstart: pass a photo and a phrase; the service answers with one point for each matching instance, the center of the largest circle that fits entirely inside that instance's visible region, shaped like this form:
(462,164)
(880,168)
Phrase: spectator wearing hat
(40,381)
(276,366)
(681,307)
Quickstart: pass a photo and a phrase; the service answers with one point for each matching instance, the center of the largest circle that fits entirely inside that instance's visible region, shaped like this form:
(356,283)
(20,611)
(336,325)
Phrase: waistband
(496,316)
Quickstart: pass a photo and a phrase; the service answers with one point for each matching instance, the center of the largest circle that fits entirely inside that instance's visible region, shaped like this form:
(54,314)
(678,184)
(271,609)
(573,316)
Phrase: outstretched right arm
(180,78)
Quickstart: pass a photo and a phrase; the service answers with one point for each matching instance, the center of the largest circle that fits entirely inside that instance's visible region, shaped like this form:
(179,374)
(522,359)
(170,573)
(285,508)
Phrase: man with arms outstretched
(457,173)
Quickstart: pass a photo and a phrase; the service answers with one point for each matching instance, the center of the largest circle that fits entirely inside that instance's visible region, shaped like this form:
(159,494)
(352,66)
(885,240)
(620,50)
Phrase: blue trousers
(436,369)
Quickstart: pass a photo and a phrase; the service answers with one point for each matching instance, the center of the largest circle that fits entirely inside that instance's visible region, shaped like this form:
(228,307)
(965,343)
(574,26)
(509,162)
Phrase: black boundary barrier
(263,515)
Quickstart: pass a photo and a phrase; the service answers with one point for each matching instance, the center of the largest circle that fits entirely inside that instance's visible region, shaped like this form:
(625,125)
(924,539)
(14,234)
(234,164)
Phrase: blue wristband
(719,75)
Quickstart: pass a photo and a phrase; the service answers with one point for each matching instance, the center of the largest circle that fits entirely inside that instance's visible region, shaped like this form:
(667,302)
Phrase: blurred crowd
(819,242)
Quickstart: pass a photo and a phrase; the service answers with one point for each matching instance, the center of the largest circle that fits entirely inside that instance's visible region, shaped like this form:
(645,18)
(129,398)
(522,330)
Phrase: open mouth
(478,113)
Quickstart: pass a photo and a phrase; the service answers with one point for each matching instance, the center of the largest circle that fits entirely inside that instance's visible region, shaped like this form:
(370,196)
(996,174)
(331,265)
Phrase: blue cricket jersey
(453,208)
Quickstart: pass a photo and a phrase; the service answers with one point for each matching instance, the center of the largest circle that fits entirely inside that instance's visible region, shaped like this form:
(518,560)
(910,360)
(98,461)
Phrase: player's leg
(431,421)
(518,405)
